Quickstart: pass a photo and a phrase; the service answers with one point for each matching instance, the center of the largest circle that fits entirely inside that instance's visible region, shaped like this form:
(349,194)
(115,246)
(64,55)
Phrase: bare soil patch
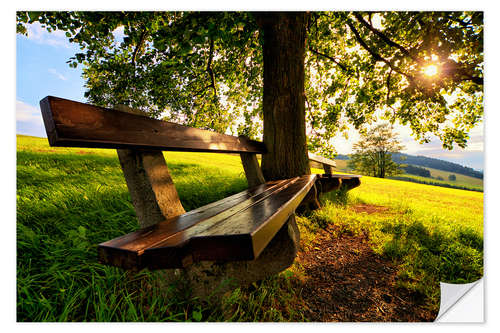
(41,150)
(346,281)
(370,209)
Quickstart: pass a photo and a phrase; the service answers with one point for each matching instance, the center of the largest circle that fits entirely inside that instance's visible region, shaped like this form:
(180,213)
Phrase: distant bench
(236,228)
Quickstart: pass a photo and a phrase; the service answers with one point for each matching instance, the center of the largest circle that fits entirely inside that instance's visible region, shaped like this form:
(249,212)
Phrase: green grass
(435,234)
(69,200)
(461,179)
(436,182)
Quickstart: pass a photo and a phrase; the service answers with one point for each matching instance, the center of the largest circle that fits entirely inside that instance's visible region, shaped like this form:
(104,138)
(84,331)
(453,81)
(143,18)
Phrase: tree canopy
(424,69)
(373,152)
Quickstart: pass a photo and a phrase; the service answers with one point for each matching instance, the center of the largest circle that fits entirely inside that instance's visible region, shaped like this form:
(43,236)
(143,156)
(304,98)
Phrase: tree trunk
(284,36)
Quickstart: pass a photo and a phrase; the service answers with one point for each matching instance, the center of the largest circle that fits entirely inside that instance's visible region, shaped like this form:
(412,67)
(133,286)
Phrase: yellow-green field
(70,199)
(341,165)
(435,233)
(454,207)
(461,179)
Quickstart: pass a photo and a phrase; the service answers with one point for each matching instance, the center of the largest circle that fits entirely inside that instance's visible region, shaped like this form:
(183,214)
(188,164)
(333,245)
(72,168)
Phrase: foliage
(205,69)
(452,177)
(413,170)
(199,69)
(361,64)
(373,152)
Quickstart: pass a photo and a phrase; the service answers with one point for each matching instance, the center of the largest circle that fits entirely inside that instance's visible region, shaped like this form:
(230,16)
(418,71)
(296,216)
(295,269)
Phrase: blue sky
(41,70)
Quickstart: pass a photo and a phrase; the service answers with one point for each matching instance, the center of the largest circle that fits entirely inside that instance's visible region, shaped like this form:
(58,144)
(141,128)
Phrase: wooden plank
(125,251)
(327,168)
(235,228)
(327,183)
(322,160)
(74,124)
(350,183)
(242,236)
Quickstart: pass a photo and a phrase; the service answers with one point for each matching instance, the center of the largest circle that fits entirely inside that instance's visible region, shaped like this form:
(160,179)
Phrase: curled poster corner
(461,302)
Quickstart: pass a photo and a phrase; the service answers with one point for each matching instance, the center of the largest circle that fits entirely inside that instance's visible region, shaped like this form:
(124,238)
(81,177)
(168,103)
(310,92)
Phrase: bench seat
(235,228)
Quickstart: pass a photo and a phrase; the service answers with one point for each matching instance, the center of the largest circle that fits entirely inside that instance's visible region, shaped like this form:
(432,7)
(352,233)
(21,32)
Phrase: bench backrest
(74,124)
(328,164)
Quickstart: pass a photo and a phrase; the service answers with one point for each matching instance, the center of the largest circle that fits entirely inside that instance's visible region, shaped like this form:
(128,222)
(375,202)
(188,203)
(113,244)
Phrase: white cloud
(29,120)
(40,35)
(27,113)
(57,38)
(57,74)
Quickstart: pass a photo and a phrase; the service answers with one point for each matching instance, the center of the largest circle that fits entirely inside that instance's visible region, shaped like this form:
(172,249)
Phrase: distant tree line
(437,164)
(418,171)
(437,183)
(342,157)
(430,163)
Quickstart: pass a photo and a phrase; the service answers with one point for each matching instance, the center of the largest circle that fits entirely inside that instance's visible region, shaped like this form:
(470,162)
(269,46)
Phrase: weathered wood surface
(330,182)
(322,160)
(327,168)
(74,124)
(237,228)
(233,229)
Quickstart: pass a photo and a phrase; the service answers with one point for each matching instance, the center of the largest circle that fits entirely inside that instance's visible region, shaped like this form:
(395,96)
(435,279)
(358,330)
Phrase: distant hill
(436,163)
(342,157)
(430,162)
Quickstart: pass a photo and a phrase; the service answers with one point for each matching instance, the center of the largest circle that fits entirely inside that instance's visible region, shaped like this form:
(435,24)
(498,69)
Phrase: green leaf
(197,315)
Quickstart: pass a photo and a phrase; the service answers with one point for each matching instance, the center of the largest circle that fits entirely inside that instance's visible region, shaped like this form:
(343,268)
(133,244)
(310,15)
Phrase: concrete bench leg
(211,279)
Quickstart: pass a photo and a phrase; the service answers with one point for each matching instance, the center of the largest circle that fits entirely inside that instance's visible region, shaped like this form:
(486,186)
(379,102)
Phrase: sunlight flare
(431,70)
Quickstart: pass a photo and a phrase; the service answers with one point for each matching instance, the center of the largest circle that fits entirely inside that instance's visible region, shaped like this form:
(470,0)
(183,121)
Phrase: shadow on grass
(66,205)
(425,252)
(353,283)
(443,257)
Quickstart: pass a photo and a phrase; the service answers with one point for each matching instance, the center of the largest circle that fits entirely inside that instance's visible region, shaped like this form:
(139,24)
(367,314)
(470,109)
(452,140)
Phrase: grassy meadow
(71,199)
(462,181)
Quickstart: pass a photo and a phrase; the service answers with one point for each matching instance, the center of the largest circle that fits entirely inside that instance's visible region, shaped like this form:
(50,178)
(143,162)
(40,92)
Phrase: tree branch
(374,54)
(388,41)
(209,67)
(201,91)
(388,84)
(139,46)
(382,36)
(330,58)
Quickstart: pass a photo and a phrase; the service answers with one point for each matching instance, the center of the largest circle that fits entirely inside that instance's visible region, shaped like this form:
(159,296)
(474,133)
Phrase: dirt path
(347,281)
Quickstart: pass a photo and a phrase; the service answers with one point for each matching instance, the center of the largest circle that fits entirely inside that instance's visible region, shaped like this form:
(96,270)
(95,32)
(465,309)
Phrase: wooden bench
(233,229)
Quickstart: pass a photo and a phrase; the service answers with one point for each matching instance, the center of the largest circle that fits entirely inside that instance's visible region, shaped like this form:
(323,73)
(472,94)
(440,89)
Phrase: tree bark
(284,38)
